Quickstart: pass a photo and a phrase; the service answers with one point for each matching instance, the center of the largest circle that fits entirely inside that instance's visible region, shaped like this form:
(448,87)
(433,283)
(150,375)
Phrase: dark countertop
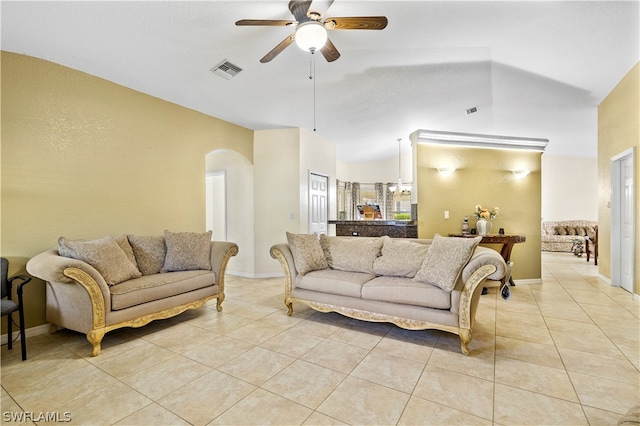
(374,222)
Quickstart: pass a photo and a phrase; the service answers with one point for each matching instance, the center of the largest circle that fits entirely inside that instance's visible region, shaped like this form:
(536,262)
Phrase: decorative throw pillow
(307,252)
(445,259)
(187,251)
(103,254)
(571,230)
(123,242)
(560,230)
(149,251)
(400,258)
(351,254)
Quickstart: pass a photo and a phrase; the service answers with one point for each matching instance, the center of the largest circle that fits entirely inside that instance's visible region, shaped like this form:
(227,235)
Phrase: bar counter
(376,228)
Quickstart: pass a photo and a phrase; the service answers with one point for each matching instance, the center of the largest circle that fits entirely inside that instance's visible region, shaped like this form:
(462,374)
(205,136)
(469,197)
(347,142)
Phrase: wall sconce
(520,174)
(446,171)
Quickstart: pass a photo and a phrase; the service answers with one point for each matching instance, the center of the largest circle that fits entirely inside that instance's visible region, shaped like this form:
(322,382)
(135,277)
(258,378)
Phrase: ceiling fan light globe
(311,36)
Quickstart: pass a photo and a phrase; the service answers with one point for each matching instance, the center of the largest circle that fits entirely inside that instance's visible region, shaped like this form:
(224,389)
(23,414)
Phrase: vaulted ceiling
(536,69)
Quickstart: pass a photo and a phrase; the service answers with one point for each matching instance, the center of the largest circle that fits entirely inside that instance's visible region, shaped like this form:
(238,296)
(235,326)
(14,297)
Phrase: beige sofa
(560,235)
(97,286)
(415,284)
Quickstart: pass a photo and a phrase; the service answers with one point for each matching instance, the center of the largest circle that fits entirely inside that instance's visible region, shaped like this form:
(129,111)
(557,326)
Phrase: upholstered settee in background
(97,286)
(415,284)
(560,235)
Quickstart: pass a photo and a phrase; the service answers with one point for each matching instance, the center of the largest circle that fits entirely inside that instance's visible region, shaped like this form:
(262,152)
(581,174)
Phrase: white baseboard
(29,332)
(605,279)
(248,275)
(530,281)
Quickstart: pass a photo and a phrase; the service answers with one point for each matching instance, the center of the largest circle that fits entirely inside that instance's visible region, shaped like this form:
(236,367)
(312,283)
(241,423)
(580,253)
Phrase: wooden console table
(507,241)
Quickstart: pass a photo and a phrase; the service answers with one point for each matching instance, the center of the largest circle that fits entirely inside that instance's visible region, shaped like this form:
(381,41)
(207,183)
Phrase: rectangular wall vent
(226,70)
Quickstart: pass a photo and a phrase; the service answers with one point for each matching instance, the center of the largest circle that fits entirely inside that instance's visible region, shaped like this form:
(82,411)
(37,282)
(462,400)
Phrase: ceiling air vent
(226,69)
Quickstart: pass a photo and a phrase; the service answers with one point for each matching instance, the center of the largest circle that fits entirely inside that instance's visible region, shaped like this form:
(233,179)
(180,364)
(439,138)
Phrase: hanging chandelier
(400,188)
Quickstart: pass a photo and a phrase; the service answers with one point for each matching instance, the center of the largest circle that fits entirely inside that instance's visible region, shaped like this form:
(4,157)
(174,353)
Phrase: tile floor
(565,352)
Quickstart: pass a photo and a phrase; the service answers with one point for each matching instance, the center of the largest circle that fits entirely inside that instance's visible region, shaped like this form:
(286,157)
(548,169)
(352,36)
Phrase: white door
(216,204)
(622,222)
(318,203)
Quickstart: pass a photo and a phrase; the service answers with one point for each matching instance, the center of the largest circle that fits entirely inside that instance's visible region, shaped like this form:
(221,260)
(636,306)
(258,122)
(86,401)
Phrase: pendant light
(400,188)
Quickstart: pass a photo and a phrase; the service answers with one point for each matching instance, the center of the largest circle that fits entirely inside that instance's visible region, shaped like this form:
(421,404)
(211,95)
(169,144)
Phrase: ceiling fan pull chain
(312,76)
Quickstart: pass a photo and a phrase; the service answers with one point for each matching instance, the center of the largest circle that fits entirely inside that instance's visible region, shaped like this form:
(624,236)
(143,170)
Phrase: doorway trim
(616,225)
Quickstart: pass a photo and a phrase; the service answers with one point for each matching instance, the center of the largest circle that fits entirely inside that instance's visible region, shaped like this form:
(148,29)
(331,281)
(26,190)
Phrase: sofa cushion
(158,286)
(187,251)
(333,281)
(400,258)
(307,252)
(149,251)
(351,254)
(445,259)
(406,291)
(104,254)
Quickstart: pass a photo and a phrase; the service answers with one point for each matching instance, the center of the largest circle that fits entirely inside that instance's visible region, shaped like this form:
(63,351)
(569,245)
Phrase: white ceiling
(536,69)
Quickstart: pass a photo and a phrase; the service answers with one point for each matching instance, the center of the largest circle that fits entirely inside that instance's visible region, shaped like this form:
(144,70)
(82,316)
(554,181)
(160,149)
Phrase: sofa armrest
(221,253)
(282,253)
(485,256)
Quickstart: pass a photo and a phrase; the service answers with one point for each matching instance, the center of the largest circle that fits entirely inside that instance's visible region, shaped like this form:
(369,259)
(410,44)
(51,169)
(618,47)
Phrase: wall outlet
(446,214)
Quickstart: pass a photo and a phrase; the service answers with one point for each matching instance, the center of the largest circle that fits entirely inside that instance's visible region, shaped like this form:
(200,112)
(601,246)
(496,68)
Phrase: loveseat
(560,235)
(415,284)
(97,286)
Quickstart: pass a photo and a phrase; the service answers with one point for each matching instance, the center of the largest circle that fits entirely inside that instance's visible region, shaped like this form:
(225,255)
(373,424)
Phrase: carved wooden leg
(95,338)
(465,339)
(289,305)
(219,302)
(53,328)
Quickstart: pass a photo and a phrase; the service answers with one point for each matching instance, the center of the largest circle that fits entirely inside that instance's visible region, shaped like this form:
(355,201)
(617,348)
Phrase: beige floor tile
(478,364)
(224,323)
(527,319)
(388,370)
(105,406)
(134,360)
(152,414)
(255,312)
(530,334)
(599,417)
(187,339)
(357,401)
(595,342)
(535,378)
(256,332)
(292,343)
(319,419)
(614,368)
(358,337)
(605,394)
(68,387)
(204,399)
(423,412)
(218,351)
(515,406)
(469,394)
(304,383)
(264,408)
(405,346)
(257,365)
(536,353)
(335,355)
(166,376)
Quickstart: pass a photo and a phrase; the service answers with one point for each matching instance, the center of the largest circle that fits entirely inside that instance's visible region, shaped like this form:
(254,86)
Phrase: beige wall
(482,176)
(569,188)
(283,160)
(84,158)
(618,130)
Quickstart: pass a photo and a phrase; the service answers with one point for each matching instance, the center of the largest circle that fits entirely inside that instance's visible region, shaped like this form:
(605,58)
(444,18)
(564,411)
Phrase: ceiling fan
(311,30)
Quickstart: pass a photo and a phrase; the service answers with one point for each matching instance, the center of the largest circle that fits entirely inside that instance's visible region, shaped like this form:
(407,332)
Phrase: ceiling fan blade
(299,9)
(320,7)
(265,22)
(329,51)
(279,48)
(357,23)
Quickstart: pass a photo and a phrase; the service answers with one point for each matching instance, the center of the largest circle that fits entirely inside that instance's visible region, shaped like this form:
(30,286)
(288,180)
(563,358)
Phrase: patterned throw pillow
(560,230)
(307,253)
(149,251)
(351,254)
(187,251)
(444,261)
(400,258)
(104,254)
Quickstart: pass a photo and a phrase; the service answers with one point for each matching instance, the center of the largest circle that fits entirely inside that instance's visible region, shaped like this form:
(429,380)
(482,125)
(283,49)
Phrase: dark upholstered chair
(9,306)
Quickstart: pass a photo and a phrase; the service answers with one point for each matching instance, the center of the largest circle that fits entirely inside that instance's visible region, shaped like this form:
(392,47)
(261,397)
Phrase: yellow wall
(618,130)
(482,176)
(84,158)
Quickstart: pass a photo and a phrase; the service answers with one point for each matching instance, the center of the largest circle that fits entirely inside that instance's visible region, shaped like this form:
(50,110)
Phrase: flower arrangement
(482,213)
